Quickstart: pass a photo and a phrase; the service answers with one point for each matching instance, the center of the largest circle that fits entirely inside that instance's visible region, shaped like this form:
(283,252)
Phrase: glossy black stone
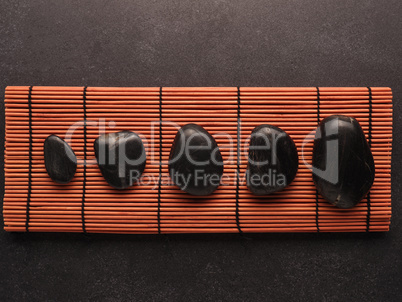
(60,160)
(195,162)
(272,160)
(344,161)
(121,158)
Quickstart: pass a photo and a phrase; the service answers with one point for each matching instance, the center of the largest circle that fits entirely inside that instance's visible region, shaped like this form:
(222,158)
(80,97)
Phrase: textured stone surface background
(204,43)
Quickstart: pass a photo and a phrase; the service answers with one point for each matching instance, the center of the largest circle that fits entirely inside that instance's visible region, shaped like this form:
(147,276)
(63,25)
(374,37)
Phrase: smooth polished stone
(121,158)
(60,160)
(343,165)
(272,160)
(195,162)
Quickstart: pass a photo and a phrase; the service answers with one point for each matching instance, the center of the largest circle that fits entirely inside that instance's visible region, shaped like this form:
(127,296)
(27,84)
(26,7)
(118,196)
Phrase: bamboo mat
(34,203)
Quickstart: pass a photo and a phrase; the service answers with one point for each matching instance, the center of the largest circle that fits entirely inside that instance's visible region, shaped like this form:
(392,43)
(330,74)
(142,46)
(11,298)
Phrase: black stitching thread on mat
(238,162)
(160,160)
(316,191)
(30,161)
(369,142)
(84,105)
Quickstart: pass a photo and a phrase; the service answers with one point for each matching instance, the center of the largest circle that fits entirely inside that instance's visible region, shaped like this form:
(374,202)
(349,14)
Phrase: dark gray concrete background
(204,43)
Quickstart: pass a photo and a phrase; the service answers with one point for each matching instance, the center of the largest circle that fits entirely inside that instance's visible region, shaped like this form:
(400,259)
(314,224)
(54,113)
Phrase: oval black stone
(121,158)
(272,160)
(60,160)
(343,166)
(195,162)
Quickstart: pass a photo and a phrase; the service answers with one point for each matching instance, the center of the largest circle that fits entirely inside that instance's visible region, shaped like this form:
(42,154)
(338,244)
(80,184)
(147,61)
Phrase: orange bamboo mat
(33,202)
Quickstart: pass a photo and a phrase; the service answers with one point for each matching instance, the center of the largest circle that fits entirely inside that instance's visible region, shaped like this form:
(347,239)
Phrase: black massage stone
(121,158)
(195,162)
(60,160)
(344,160)
(272,160)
